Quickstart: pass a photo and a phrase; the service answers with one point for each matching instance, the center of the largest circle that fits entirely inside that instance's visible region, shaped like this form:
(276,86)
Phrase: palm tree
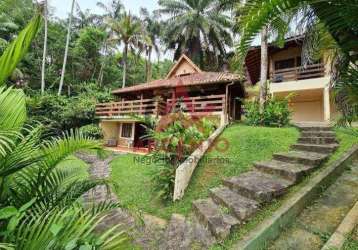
(66,49)
(84,18)
(113,10)
(198,29)
(45,48)
(264,66)
(152,28)
(127,30)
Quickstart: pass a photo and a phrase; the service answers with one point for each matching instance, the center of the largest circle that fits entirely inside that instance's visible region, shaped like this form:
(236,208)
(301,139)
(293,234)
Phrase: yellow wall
(110,129)
(307,111)
(306,105)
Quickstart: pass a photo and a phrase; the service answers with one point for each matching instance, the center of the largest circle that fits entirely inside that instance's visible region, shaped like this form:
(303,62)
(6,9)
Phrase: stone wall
(185,170)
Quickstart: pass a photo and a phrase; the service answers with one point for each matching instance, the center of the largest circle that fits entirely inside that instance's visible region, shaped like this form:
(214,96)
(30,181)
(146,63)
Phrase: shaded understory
(234,152)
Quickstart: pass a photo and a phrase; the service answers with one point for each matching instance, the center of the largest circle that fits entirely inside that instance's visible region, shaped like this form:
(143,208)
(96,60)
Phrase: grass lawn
(237,148)
(347,138)
(74,162)
(352,242)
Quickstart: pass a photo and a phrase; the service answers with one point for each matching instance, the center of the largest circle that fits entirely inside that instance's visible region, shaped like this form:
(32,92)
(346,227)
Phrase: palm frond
(12,109)
(69,228)
(338,17)
(18,48)
(23,154)
(59,149)
(6,246)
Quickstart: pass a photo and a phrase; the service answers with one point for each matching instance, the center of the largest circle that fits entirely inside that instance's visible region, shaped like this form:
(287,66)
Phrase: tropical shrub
(176,136)
(92,131)
(275,113)
(40,202)
(59,113)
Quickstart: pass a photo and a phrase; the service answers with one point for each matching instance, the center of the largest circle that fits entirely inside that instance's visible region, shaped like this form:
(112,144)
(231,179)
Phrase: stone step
(318,134)
(258,186)
(290,171)
(240,206)
(301,157)
(177,233)
(317,140)
(317,148)
(182,234)
(214,217)
(314,128)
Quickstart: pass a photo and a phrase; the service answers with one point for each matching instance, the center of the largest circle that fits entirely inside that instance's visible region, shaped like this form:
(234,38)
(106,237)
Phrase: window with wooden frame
(126,131)
(285,64)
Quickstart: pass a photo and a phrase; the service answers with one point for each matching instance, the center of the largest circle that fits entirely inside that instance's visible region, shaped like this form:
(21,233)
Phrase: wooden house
(308,85)
(186,88)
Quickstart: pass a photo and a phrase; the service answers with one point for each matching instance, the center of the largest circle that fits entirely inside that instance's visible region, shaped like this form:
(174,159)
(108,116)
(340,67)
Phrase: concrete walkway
(317,222)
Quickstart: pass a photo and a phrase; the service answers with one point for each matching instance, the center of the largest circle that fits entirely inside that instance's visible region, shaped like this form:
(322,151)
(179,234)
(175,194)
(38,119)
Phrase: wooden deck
(298,73)
(200,105)
(134,107)
(133,150)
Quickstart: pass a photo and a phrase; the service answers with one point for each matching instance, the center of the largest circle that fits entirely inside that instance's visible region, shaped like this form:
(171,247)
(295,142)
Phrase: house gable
(184,66)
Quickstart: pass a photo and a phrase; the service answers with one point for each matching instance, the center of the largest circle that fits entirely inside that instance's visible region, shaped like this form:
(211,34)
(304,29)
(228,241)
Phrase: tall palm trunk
(264,66)
(149,64)
(125,52)
(44,50)
(101,71)
(66,49)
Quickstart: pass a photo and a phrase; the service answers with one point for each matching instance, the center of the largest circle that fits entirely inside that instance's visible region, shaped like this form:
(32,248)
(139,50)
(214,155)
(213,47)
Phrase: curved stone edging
(348,224)
(184,172)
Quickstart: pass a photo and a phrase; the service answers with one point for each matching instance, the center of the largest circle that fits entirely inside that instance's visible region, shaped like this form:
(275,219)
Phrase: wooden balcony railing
(298,73)
(127,108)
(200,105)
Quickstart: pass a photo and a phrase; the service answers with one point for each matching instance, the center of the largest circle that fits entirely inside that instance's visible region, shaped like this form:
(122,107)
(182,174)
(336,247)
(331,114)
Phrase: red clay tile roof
(201,78)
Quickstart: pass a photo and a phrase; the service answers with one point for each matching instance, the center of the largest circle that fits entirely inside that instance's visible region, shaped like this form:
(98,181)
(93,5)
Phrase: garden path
(146,231)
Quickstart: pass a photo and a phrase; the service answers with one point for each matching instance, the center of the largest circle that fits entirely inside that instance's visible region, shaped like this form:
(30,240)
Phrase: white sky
(63,7)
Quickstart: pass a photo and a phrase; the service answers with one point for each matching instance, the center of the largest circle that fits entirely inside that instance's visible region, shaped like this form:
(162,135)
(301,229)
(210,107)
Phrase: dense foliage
(40,200)
(175,136)
(200,29)
(61,113)
(275,113)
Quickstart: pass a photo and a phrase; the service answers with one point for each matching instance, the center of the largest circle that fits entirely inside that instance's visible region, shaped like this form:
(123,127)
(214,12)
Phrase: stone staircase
(240,197)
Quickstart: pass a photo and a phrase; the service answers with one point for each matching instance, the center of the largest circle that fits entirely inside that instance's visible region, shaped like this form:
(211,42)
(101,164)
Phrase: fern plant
(40,202)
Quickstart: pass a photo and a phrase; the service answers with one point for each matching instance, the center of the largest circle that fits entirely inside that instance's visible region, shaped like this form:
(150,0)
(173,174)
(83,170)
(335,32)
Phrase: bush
(275,113)
(61,113)
(176,136)
(92,131)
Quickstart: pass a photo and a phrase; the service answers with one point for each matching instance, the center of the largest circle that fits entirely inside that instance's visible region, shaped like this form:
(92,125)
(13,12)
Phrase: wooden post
(326,104)
(156,109)
(141,111)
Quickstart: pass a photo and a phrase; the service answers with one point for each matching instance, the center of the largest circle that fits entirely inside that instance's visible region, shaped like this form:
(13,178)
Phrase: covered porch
(310,105)
(125,135)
